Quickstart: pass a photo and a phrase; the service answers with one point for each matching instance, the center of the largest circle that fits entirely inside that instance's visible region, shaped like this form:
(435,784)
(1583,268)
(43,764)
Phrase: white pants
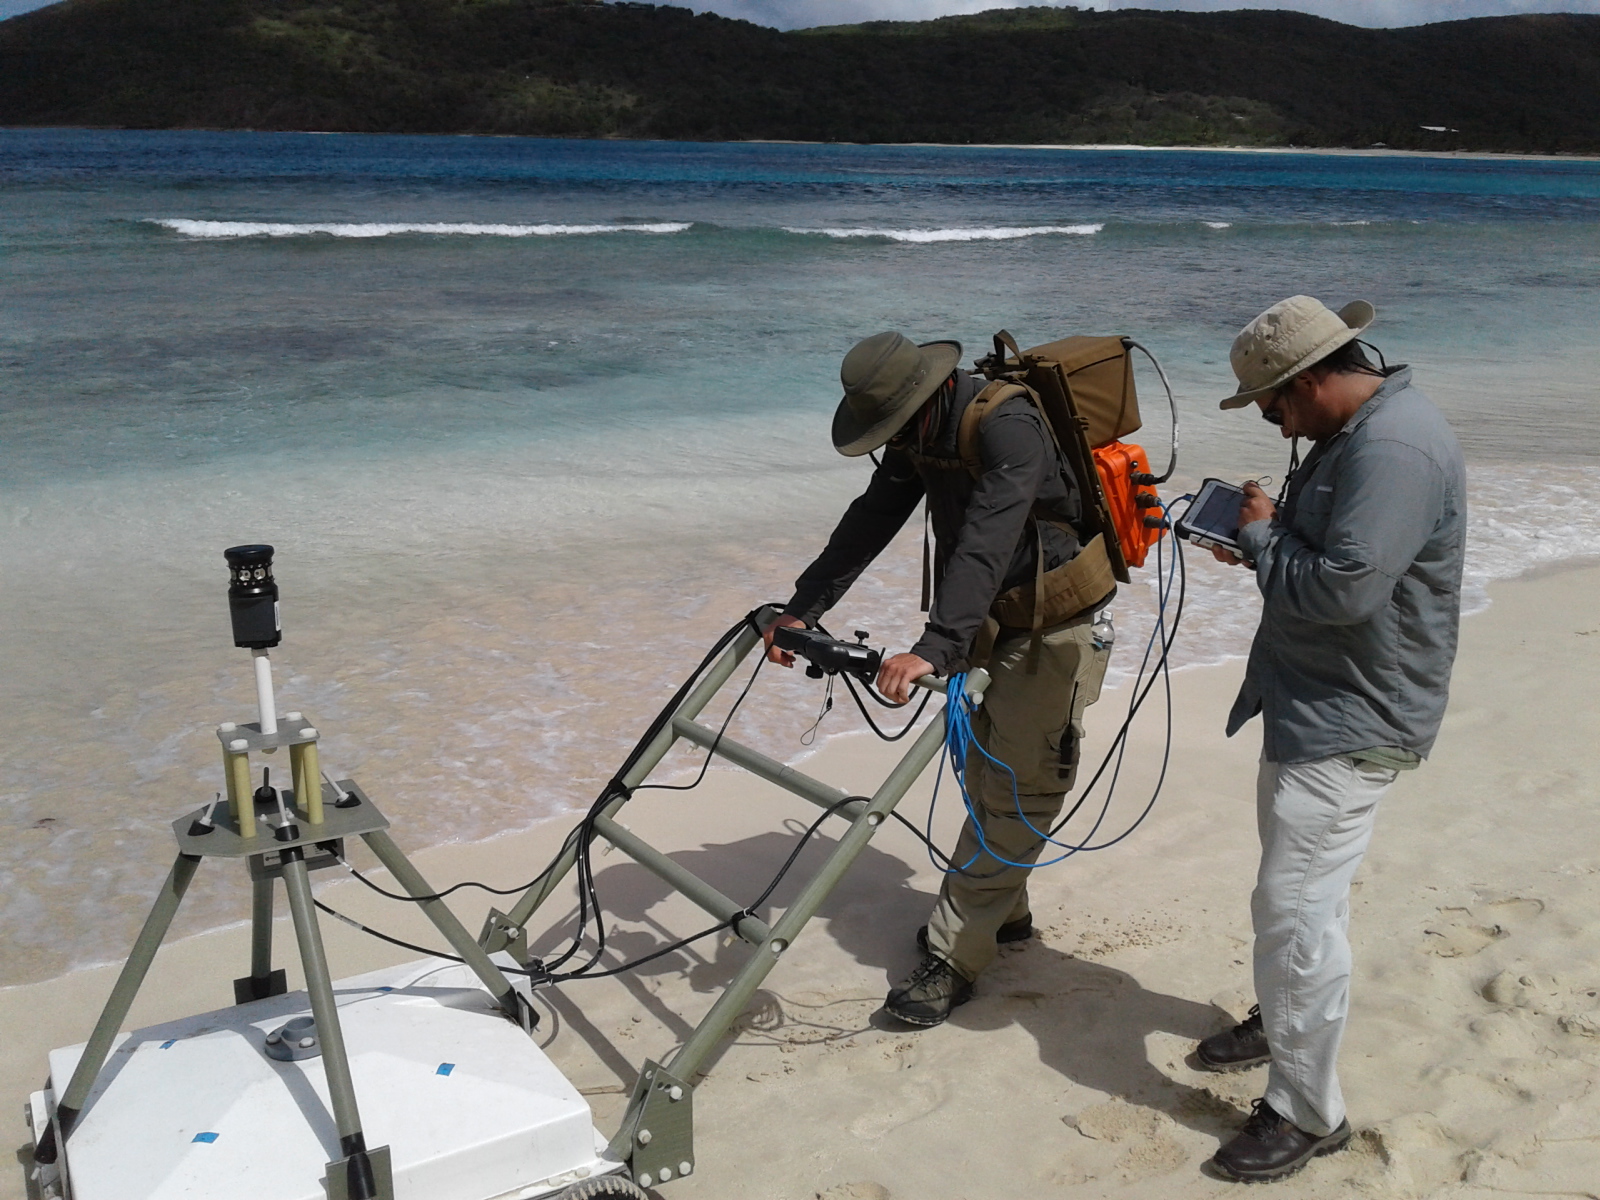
(1315,820)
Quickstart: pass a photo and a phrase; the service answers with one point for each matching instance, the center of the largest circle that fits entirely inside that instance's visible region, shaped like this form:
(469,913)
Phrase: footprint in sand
(1456,935)
(1463,932)
(1576,1009)
(914,1099)
(1151,1148)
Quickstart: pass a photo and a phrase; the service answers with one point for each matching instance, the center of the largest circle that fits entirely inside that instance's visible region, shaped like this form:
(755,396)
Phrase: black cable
(1133,709)
(542,974)
(465,883)
(711,750)
(749,619)
(587,893)
(888,737)
(1162,671)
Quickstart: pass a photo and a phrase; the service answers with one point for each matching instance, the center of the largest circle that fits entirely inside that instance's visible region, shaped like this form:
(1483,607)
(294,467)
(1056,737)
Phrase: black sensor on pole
(253,597)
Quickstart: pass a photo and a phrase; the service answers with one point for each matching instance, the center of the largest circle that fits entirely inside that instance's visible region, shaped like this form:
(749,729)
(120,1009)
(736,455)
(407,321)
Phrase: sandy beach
(1474,1040)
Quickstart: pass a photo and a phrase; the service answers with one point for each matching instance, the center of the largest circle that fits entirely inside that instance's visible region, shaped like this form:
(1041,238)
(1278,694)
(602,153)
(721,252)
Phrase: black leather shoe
(1019,930)
(1270,1147)
(929,994)
(1245,1045)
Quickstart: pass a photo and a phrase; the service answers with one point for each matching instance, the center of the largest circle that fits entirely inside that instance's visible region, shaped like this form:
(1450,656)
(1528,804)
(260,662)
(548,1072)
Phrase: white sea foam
(377,229)
(980,234)
(1217,224)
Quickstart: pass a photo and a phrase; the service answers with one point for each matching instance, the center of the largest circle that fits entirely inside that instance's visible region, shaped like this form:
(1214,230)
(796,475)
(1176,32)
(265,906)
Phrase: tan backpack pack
(1083,388)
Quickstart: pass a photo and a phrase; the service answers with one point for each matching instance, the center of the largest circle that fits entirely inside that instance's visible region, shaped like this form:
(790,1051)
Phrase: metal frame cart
(275,1050)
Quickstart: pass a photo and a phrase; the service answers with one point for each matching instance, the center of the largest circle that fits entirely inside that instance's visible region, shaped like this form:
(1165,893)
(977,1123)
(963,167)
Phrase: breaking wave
(376,229)
(982,234)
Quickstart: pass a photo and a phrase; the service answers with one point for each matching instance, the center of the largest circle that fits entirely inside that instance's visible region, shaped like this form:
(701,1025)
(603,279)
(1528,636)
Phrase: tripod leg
(510,1002)
(335,1062)
(262,981)
(261,929)
(116,1010)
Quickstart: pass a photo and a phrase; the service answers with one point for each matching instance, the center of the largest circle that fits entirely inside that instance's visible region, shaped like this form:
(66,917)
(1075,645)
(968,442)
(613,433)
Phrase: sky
(793,14)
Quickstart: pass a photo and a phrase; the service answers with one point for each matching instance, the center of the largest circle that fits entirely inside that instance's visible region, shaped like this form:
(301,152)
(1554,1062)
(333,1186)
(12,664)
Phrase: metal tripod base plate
(500,932)
(659,1127)
(250,988)
(338,1181)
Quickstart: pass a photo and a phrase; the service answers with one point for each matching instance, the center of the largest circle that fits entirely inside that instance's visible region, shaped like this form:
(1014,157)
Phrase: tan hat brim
(852,438)
(1356,315)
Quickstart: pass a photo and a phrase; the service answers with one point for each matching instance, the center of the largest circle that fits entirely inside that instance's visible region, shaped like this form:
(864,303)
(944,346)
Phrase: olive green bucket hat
(1286,339)
(886,379)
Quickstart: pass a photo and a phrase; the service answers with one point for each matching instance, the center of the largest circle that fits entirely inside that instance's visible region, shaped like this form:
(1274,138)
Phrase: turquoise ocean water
(532,421)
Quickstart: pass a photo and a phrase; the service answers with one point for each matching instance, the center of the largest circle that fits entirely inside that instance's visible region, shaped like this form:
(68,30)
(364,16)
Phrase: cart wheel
(607,1187)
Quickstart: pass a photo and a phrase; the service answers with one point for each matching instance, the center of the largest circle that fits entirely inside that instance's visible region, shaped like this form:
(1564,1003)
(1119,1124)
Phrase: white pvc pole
(264,698)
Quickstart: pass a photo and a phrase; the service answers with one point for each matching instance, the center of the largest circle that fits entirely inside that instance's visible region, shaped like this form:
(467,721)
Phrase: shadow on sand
(1090,1021)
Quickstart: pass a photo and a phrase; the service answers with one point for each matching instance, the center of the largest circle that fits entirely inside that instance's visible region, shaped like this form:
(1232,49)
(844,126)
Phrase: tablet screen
(1219,514)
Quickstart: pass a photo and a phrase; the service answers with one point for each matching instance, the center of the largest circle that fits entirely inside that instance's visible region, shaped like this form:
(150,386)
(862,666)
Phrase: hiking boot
(928,995)
(1019,930)
(1270,1147)
(1245,1045)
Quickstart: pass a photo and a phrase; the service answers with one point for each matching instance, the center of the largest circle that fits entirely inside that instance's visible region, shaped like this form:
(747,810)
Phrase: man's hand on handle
(898,674)
(1257,506)
(783,658)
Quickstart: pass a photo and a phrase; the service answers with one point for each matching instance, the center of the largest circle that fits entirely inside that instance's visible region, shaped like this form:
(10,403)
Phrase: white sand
(1474,1041)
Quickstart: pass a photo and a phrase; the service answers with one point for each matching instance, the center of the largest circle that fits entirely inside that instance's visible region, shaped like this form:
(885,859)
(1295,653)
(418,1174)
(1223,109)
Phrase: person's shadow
(1090,1021)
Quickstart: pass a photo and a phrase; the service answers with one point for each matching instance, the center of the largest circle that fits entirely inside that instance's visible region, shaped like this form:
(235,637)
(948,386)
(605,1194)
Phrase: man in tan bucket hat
(1360,581)
(907,400)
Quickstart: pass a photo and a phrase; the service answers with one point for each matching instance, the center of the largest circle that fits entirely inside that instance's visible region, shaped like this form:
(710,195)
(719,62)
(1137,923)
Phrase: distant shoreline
(1365,152)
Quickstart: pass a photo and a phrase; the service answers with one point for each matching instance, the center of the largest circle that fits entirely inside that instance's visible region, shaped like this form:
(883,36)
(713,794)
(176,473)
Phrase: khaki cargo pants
(1022,722)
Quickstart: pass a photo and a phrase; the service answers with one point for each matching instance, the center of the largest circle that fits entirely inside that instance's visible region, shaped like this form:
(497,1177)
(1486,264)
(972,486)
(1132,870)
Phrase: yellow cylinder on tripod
(307,775)
(241,797)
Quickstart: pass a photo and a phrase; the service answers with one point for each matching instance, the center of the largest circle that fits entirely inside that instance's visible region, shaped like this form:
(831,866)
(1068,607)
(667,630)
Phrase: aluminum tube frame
(691,707)
(682,880)
(319,987)
(821,794)
(261,929)
(446,922)
(129,981)
(686,1063)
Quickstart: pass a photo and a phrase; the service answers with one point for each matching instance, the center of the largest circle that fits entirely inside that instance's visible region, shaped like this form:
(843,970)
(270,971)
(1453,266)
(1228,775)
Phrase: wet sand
(1474,1039)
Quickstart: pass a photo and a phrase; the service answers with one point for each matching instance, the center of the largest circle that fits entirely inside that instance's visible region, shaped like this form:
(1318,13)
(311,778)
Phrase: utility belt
(1060,594)
(1055,596)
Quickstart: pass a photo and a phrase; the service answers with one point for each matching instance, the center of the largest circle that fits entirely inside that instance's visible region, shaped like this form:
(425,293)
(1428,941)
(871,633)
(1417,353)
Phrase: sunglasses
(1269,411)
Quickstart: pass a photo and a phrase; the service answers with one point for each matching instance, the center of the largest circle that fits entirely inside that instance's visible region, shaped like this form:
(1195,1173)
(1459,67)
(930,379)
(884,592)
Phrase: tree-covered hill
(563,67)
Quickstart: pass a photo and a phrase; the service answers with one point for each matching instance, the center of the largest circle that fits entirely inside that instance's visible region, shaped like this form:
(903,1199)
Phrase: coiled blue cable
(960,738)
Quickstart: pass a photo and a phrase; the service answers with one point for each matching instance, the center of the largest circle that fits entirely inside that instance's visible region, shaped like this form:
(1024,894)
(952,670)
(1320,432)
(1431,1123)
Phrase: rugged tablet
(1213,518)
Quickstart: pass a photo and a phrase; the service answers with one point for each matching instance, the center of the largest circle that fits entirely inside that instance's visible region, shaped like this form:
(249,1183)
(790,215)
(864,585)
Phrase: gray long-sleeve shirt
(984,544)
(1360,577)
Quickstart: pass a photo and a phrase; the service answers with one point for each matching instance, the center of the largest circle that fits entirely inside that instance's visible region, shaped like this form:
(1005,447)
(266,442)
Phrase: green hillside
(560,67)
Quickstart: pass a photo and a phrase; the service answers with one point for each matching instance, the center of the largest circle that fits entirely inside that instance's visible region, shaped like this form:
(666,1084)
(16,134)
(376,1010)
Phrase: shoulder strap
(984,403)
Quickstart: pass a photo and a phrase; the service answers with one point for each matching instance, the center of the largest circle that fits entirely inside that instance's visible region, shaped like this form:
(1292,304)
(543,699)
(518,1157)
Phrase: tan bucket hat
(1286,339)
(886,378)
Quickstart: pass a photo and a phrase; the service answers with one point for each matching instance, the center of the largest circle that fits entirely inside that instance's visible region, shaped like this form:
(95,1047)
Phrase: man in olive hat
(1360,580)
(907,400)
